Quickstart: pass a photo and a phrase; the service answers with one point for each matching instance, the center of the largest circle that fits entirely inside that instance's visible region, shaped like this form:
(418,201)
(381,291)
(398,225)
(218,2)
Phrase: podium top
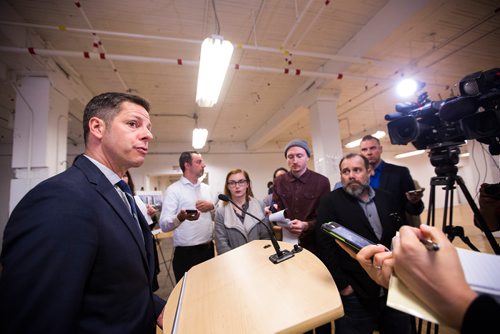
(241,291)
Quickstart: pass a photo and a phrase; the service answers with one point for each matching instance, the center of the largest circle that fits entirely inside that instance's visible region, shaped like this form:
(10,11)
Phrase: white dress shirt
(183,195)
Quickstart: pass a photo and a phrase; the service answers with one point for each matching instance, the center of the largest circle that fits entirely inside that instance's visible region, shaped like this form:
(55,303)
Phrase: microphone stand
(281,255)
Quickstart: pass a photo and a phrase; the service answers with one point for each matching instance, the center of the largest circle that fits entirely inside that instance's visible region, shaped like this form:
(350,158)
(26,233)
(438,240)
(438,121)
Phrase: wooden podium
(241,291)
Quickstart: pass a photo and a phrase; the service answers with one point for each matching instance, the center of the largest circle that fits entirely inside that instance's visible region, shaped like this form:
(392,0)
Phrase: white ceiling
(371,43)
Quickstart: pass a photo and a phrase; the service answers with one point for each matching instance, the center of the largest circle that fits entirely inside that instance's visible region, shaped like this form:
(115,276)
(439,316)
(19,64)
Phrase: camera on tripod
(442,126)
(475,114)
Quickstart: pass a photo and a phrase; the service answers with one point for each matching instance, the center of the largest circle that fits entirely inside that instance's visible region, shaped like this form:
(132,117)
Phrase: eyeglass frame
(233,184)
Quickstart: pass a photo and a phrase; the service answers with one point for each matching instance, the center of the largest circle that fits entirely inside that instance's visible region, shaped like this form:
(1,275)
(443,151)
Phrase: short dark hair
(105,106)
(370,137)
(186,156)
(279,169)
(353,155)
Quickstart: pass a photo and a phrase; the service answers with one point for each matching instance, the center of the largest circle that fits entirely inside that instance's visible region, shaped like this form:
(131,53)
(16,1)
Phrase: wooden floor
(462,216)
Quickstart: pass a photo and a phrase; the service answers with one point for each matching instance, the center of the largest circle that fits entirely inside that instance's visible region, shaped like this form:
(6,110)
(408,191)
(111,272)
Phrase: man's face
(371,150)
(297,159)
(125,140)
(354,176)
(197,166)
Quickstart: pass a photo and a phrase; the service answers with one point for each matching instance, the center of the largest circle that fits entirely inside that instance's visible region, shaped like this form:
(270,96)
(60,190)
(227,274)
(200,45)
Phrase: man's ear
(97,127)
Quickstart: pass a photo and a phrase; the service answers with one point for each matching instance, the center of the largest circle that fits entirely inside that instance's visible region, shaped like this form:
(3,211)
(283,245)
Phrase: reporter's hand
(435,277)
(298,226)
(375,260)
(204,206)
(183,215)
(159,320)
(378,263)
(414,198)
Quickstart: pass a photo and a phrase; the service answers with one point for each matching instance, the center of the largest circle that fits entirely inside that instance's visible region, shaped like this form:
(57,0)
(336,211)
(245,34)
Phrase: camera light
(406,88)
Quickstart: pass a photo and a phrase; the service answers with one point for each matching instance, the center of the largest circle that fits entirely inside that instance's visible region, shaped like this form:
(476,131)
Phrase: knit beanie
(299,143)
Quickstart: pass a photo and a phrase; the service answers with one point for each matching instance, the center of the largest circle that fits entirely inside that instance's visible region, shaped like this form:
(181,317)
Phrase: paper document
(482,272)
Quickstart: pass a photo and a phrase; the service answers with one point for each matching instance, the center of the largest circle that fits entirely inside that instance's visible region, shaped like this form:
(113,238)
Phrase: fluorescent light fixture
(409,154)
(355,143)
(199,138)
(464,155)
(214,61)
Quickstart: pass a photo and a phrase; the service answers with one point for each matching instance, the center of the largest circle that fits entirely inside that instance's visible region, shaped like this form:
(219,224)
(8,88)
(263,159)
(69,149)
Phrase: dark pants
(363,317)
(186,257)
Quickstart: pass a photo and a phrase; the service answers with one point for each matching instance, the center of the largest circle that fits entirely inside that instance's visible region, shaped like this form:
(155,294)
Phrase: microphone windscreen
(223,197)
(456,109)
(406,107)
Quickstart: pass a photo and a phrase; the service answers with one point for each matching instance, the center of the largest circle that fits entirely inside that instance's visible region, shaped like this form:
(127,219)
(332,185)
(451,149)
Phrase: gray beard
(354,190)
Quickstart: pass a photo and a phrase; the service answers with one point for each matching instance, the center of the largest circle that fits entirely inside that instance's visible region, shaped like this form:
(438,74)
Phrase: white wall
(260,167)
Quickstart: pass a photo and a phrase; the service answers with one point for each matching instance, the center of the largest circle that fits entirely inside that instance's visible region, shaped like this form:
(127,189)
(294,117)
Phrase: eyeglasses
(234,183)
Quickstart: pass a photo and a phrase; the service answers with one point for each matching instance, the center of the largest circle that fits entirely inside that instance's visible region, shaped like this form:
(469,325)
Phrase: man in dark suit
(392,178)
(371,214)
(77,257)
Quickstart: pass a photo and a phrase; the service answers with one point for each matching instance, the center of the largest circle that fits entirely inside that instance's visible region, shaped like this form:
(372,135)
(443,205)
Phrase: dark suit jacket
(397,181)
(74,260)
(344,209)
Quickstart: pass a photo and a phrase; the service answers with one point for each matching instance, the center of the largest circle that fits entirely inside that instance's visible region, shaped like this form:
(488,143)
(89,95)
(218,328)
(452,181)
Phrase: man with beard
(371,214)
(186,210)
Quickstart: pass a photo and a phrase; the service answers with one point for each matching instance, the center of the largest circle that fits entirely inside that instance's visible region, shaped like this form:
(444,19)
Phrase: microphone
(281,255)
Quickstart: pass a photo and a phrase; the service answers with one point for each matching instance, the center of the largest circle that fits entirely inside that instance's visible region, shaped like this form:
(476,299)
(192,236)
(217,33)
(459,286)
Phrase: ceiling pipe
(104,56)
(347,59)
(115,70)
(297,22)
(313,21)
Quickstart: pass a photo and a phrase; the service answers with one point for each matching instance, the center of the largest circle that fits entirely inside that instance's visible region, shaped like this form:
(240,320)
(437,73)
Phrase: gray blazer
(230,232)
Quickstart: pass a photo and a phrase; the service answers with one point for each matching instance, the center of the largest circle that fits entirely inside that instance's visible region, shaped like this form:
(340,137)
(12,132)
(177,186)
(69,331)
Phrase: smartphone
(348,237)
(416,191)
(191,212)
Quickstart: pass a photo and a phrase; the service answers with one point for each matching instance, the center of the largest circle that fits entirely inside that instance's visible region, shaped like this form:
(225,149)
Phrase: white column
(40,135)
(325,133)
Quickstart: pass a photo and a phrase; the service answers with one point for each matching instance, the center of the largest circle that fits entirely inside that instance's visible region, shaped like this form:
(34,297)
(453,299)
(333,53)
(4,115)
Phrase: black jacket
(344,209)
(397,181)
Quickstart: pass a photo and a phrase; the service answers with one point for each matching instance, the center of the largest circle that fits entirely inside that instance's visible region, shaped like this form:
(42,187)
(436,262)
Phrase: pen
(430,245)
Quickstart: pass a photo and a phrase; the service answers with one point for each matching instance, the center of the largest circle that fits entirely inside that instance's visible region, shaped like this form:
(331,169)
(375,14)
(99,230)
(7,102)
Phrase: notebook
(482,272)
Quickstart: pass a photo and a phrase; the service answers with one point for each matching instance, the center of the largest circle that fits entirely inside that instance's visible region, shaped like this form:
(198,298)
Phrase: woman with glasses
(233,227)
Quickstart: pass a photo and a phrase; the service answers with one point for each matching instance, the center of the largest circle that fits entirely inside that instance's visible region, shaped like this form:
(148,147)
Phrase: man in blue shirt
(392,178)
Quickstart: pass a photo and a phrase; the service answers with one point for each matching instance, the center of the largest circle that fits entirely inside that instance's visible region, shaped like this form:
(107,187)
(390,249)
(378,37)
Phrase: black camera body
(475,114)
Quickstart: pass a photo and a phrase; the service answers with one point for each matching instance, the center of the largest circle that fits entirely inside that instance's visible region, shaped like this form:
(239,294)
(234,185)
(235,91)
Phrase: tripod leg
(479,216)
(430,210)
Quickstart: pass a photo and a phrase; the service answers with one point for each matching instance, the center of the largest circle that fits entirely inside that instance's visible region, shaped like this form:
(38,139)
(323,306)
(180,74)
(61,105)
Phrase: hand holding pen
(437,278)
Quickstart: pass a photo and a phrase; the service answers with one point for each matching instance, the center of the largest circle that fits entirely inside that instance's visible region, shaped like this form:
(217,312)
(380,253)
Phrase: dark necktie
(133,207)
(130,198)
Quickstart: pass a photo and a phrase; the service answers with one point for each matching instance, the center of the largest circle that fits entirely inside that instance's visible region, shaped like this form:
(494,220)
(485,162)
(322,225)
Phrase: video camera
(475,114)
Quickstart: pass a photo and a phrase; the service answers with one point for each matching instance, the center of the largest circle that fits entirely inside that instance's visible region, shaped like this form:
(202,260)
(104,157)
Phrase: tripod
(444,159)
(446,171)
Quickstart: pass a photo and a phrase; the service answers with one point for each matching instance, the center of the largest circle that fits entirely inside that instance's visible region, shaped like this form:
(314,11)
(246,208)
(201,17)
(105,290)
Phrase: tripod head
(444,157)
